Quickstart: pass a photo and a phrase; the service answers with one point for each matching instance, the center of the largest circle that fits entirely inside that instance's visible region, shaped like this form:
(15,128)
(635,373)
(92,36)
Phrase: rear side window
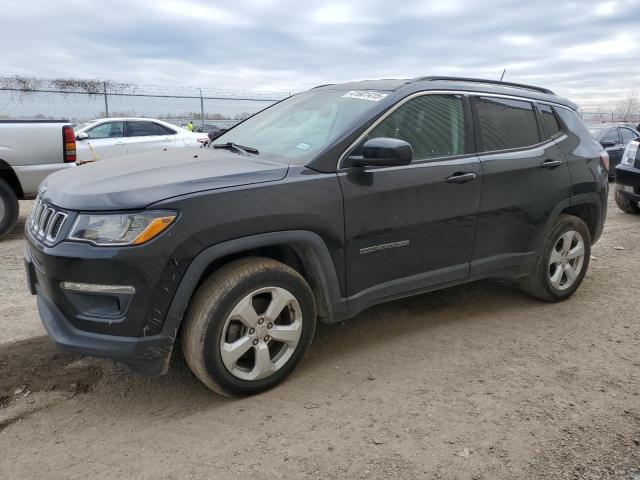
(139,128)
(611,135)
(432,124)
(627,135)
(506,124)
(162,130)
(550,121)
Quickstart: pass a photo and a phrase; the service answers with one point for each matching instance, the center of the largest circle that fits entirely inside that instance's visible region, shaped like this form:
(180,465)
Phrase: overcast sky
(588,51)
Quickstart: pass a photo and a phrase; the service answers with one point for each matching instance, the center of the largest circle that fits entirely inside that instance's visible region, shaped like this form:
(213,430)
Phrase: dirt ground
(478,382)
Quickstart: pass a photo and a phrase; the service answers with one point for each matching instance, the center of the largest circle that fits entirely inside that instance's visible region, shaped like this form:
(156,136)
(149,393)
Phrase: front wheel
(248,326)
(562,262)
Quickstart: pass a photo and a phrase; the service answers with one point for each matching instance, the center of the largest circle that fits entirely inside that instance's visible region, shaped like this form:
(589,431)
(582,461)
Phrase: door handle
(461,177)
(550,164)
(120,142)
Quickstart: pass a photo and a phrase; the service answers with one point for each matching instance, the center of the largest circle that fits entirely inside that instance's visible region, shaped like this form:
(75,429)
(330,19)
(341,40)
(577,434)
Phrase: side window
(627,135)
(162,130)
(107,130)
(506,124)
(611,135)
(140,128)
(432,124)
(550,121)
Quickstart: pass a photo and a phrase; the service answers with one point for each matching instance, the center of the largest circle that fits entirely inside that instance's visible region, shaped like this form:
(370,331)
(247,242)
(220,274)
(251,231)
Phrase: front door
(105,140)
(413,226)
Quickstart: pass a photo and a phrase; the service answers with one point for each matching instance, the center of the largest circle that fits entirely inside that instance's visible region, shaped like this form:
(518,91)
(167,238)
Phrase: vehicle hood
(136,181)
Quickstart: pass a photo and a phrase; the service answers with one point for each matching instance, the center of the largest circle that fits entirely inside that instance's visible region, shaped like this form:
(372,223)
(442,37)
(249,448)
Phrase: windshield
(299,127)
(596,132)
(83,126)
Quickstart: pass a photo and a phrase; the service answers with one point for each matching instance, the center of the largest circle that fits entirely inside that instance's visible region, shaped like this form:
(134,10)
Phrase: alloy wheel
(261,333)
(566,260)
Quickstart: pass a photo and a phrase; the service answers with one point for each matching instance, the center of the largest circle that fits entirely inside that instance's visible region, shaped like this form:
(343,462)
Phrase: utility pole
(201,110)
(106,101)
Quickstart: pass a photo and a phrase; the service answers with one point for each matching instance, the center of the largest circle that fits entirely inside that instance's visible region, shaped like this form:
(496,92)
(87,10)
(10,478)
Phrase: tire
(9,208)
(232,308)
(625,204)
(556,275)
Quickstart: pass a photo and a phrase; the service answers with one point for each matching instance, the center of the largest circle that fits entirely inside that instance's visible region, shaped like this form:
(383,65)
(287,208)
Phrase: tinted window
(107,130)
(432,124)
(627,135)
(575,125)
(162,130)
(550,120)
(611,135)
(142,129)
(506,123)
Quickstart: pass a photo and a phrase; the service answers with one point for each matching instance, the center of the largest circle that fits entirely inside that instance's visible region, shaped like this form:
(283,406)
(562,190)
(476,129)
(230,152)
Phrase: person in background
(189,126)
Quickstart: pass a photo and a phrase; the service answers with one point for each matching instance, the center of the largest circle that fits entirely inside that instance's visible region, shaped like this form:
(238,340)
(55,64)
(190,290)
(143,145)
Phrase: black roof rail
(323,85)
(480,80)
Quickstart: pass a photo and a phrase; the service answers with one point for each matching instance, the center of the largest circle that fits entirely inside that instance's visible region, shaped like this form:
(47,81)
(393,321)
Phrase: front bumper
(137,334)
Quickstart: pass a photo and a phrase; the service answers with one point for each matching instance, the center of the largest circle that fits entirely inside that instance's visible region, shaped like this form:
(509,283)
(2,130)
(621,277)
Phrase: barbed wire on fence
(82,100)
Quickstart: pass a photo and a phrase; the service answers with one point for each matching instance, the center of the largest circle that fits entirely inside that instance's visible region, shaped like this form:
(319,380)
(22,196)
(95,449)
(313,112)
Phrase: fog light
(96,288)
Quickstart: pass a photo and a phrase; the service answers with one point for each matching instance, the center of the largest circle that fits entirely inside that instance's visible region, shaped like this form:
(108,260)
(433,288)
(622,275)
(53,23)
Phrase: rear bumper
(628,182)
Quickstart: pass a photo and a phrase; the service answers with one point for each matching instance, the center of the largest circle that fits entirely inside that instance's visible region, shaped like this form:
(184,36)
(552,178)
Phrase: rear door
(146,135)
(525,176)
(105,140)
(413,226)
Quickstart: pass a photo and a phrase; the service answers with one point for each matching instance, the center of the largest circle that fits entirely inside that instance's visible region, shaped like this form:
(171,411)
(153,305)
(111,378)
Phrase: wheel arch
(302,250)
(9,175)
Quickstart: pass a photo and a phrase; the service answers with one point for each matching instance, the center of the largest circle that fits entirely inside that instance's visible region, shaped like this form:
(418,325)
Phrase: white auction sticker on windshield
(365,95)
(303,146)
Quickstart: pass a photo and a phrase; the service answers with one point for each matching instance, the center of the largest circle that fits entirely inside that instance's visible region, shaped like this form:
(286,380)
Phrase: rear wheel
(9,208)
(248,326)
(625,204)
(562,262)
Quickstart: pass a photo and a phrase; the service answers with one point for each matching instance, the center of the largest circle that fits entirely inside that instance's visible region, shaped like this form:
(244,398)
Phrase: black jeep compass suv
(318,207)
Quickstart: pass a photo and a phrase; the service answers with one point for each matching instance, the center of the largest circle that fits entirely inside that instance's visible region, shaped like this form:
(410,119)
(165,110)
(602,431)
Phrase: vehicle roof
(454,83)
(125,118)
(609,124)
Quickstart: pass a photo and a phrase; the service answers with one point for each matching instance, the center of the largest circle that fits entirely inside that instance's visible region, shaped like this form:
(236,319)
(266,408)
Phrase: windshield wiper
(235,146)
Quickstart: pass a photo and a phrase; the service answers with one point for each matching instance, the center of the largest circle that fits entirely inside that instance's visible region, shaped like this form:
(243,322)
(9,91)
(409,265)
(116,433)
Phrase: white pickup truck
(30,150)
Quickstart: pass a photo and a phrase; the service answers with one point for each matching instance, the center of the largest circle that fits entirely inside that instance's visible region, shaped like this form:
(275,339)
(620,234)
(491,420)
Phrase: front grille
(46,221)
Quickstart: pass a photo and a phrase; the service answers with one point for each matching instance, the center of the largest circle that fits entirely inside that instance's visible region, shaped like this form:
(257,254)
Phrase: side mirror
(82,136)
(607,144)
(382,152)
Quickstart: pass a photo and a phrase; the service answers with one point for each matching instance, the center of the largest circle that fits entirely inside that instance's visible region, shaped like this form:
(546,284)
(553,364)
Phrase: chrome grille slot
(46,222)
(55,226)
(42,225)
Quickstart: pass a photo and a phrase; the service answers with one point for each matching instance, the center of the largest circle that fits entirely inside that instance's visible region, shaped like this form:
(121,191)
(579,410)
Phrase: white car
(114,137)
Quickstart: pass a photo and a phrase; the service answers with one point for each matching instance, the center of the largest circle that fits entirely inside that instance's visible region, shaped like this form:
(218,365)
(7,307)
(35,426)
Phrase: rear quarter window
(506,124)
(550,121)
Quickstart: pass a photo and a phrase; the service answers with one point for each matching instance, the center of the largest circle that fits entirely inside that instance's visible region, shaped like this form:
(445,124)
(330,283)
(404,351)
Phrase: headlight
(629,155)
(120,228)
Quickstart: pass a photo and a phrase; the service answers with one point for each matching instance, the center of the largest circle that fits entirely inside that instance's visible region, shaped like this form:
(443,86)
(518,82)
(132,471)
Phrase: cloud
(586,50)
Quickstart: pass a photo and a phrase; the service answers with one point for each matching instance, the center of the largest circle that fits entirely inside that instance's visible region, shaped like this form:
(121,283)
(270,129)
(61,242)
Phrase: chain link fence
(79,101)
(602,116)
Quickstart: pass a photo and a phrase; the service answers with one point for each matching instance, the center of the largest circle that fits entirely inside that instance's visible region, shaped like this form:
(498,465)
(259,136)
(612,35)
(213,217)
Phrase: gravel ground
(478,382)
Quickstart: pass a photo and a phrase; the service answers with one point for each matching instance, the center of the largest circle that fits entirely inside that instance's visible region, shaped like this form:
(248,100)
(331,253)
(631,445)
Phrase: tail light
(604,158)
(68,144)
